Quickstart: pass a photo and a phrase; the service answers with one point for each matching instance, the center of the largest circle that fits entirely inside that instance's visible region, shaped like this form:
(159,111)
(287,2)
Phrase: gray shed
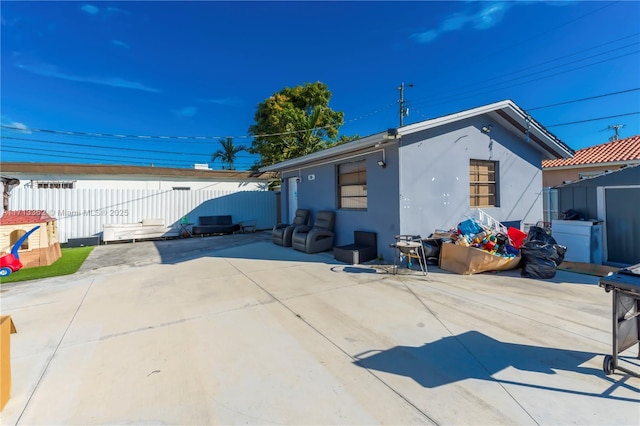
(613,198)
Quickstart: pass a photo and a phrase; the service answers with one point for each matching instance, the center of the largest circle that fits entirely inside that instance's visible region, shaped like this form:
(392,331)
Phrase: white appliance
(583,239)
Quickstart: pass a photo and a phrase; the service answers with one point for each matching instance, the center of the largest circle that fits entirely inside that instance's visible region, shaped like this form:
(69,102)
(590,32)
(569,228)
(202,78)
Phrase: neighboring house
(612,198)
(85,197)
(426,176)
(41,248)
(591,161)
(101,176)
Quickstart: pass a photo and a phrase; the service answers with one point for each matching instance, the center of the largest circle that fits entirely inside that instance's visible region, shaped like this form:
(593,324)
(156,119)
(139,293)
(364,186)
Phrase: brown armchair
(317,238)
(282,232)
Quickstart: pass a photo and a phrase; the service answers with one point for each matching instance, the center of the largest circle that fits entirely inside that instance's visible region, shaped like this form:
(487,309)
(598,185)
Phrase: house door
(622,225)
(292,191)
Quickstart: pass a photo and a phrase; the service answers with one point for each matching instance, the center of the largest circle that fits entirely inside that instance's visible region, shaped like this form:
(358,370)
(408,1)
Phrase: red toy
(11,262)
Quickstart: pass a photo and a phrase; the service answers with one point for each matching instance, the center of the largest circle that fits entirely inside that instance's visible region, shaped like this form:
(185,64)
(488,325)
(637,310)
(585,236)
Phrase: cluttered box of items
(483,244)
(475,247)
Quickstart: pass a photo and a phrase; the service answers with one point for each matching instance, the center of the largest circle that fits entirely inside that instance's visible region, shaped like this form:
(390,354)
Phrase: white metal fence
(82,212)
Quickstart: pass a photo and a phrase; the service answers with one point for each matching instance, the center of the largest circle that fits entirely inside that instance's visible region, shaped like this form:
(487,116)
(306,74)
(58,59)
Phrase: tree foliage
(294,122)
(228,153)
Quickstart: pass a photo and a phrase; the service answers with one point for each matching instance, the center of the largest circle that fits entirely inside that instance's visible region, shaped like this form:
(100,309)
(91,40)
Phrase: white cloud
(50,71)
(107,11)
(490,16)
(114,10)
(425,37)
(90,9)
(120,44)
(487,17)
(188,111)
(454,22)
(15,125)
(230,101)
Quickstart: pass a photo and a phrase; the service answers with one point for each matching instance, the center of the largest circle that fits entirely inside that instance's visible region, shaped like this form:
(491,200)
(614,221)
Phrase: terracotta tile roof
(19,217)
(623,150)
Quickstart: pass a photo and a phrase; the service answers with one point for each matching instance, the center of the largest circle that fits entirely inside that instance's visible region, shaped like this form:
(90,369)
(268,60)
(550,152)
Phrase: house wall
(382,213)
(146,182)
(434,176)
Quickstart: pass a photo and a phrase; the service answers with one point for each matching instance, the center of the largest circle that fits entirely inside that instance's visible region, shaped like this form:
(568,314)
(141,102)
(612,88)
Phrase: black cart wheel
(607,365)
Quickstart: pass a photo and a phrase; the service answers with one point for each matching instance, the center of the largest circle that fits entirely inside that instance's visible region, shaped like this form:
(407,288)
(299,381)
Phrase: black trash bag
(537,233)
(570,215)
(541,259)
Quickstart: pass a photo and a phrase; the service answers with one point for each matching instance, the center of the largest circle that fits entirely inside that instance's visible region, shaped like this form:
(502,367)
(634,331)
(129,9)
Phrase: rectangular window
(352,185)
(483,185)
(55,184)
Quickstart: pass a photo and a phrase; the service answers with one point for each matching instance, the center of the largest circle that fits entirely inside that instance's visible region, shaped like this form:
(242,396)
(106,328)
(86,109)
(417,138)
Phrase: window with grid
(482,183)
(352,185)
(55,184)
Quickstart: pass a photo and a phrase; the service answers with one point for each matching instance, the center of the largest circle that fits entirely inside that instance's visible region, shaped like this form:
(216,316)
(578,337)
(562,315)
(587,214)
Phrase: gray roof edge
(570,152)
(357,145)
(598,176)
(523,117)
(563,149)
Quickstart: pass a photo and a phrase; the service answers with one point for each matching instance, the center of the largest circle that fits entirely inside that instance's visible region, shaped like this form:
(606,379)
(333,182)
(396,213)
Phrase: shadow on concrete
(473,355)
(253,245)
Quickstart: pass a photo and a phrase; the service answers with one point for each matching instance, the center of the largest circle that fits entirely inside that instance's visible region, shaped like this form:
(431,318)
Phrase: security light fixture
(382,164)
(487,129)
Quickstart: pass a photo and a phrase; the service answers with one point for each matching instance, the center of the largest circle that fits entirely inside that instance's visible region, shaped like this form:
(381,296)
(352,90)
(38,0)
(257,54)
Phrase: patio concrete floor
(237,330)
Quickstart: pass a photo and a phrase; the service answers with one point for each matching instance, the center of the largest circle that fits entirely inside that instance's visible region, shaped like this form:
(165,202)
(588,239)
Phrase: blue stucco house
(426,176)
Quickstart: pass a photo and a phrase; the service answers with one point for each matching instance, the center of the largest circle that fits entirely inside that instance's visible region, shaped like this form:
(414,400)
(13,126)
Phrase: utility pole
(403,111)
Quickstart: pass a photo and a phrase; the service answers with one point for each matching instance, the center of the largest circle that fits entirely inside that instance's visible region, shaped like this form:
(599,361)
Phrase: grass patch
(69,263)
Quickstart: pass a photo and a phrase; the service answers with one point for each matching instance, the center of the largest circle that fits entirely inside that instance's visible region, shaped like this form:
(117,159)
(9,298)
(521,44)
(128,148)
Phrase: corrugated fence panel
(82,212)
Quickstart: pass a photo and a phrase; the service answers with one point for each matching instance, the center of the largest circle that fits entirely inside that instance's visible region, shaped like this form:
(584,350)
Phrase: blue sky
(197,70)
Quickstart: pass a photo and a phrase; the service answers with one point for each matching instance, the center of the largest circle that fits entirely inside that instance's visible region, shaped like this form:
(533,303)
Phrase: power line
(107,158)
(84,157)
(105,155)
(492,88)
(594,119)
(181,138)
(584,99)
(103,147)
(461,88)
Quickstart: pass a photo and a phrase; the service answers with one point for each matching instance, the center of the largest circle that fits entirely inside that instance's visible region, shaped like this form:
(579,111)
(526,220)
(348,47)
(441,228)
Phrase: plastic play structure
(11,262)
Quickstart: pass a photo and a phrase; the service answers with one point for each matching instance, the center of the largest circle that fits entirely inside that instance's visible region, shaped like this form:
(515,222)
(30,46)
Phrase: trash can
(625,285)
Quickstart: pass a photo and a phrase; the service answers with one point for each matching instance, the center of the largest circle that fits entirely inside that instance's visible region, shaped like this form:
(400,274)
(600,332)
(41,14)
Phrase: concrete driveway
(236,330)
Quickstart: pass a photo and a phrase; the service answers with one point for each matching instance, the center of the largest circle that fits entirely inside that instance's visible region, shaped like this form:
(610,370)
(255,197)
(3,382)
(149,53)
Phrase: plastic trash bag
(469,227)
(541,255)
(537,233)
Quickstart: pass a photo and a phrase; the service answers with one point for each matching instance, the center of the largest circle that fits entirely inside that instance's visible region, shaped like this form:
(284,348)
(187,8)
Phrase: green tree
(228,153)
(294,122)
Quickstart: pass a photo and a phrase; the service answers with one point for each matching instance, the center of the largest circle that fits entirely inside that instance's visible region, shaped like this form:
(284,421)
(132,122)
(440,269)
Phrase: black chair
(282,232)
(317,238)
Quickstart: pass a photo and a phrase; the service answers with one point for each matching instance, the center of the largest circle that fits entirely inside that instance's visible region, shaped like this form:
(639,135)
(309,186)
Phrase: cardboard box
(470,260)
(6,329)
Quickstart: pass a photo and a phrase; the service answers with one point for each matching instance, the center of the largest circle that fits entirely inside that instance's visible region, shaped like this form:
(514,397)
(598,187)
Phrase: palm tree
(228,152)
